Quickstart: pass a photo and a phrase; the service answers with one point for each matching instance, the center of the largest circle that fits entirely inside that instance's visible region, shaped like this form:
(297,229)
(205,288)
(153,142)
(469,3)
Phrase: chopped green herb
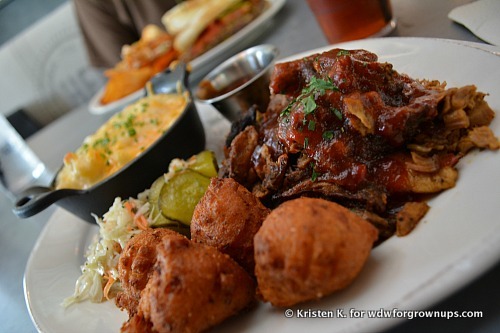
(314,173)
(316,87)
(342,53)
(312,125)
(101,142)
(319,85)
(327,135)
(309,104)
(287,110)
(306,142)
(337,113)
(131,131)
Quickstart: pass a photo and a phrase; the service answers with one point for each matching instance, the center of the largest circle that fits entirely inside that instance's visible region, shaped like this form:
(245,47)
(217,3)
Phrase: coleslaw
(124,219)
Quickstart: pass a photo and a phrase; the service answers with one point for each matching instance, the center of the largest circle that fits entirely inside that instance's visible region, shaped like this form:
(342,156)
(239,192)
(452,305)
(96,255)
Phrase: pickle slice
(156,215)
(181,193)
(204,163)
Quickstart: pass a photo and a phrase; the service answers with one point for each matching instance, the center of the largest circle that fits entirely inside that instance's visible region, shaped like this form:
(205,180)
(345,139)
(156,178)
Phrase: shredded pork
(342,126)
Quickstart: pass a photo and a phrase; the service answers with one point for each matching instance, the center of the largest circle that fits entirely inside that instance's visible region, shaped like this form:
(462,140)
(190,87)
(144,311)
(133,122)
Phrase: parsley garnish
(314,173)
(309,104)
(337,113)
(319,85)
(312,125)
(342,52)
(327,135)
(316,87)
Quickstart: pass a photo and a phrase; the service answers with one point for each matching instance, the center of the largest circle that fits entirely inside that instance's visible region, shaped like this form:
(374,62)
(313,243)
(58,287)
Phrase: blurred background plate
(205,62)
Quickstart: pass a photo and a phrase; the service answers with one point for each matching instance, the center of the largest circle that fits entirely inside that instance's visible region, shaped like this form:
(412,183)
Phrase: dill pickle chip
(153,198)
(155,190)
(180,194)
(205,163)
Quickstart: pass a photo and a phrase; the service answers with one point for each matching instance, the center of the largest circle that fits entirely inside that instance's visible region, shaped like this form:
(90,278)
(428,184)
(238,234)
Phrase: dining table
(293,30)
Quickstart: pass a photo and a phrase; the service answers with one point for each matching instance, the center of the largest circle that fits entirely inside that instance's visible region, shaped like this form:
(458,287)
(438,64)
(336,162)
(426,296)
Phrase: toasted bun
(188,19)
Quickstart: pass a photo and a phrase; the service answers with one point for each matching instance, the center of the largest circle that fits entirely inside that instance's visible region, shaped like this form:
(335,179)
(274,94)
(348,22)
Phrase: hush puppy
(227,217)
(193,287)
(136,263)
(308,248)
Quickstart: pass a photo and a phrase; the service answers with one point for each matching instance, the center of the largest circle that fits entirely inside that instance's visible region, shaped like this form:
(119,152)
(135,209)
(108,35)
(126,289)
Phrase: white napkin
(481,17)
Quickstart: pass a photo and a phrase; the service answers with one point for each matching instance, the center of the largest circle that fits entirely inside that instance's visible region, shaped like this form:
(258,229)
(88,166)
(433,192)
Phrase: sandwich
(199,25)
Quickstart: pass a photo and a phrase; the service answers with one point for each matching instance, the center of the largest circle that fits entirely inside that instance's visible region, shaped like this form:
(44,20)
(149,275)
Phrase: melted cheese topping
(121,139)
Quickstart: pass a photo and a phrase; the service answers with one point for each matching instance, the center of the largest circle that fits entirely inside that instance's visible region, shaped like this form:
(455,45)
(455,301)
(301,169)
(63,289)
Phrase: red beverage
(343,20)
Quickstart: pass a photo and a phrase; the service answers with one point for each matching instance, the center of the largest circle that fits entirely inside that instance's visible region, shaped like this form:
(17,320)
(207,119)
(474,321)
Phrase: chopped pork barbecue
(344,127)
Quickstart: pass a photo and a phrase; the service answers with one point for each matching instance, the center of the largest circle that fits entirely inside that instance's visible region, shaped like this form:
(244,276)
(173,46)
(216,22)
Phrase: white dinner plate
(202,64)
(457,241)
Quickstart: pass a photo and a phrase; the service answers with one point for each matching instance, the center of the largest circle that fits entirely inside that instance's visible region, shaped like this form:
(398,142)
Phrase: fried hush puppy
(227,217)
(193,287)
(135,266)
(308,248)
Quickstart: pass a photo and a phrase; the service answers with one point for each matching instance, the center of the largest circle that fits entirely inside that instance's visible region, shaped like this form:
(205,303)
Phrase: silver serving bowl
(240,82)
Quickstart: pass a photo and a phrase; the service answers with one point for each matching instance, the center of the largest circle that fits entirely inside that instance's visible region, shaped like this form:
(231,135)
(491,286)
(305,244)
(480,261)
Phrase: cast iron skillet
(186,137)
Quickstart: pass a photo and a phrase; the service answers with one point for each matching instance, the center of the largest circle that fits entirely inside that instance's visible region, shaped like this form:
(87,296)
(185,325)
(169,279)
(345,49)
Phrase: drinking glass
(343,20)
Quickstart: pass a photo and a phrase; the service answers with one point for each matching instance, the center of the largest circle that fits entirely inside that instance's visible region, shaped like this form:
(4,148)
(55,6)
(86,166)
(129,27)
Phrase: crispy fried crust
(193,288)
(227,217)
(137,324)
(135,266)
(308,248)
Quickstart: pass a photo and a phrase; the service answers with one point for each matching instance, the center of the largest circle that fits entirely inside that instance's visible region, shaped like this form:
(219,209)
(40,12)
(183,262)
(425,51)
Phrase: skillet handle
(36,199)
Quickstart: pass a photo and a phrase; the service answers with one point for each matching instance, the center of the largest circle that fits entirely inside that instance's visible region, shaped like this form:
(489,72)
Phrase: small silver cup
(240,82)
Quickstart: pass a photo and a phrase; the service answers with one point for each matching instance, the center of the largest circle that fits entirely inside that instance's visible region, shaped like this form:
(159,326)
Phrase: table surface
(293,30)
